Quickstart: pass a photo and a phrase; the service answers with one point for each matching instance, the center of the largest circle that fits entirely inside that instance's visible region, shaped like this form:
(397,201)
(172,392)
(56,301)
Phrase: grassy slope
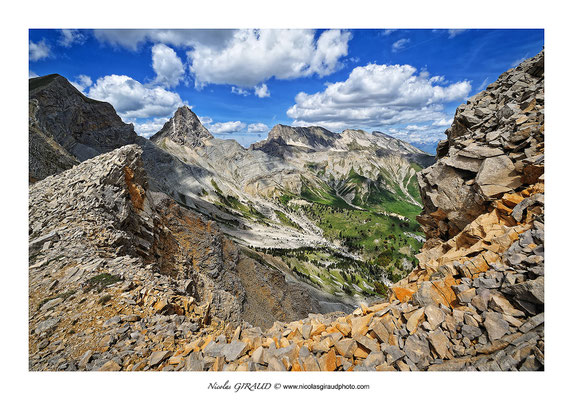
(379,239)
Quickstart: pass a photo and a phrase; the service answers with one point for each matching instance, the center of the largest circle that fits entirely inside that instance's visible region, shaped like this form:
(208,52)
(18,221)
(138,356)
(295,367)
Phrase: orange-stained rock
(207,341)
(380,331)
(175,360)
(385,367)
(295,335)
(361,352)
(331,329)
(318,330)
(415,319)
(392,340)
(511,199)
(343,328)
(218,365)
(439,214)
(378,307)
(345,347)
(310,363)
(330,361)
(402,294)
(502,208)
(360,324)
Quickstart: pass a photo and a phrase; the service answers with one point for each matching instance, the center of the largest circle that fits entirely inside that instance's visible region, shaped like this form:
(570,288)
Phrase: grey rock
(434,316)
(184,128)
(497,176)
(530,291)
(466,296)
(233,350)
(157,357)
(440,343)
(85,359)
(51,304)
(393,354)
(47,325)
(36,245)
(416,348)
(471,332)
(495,325)
(532,323)
(518,210)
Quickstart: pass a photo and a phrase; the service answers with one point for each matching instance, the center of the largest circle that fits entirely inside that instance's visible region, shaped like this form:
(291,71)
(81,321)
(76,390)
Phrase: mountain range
(302,187)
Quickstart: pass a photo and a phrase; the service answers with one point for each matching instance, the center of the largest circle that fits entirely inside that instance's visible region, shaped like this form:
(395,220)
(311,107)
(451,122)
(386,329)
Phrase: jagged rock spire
(184,128)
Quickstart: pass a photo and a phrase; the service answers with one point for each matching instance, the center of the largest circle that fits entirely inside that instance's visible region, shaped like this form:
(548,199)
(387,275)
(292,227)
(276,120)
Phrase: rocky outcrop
(64,121)
(494,146)
(45,156)
(184,129)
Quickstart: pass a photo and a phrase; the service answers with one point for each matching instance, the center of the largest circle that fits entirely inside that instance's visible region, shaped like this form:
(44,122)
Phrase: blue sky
(241,83)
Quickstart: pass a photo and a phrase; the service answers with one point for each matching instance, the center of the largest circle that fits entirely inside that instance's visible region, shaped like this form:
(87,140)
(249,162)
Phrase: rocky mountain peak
(80,126)
(184,128)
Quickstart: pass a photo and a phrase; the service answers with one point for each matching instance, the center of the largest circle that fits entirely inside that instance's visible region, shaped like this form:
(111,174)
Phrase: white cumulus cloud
(418,137)
(131,99)
(167,65)
(148,128)
(262,91)
(443,122)
(253,56)
(39,50)
(82,82)
(205,120)
(258,127)
(377,95)
(226,127)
